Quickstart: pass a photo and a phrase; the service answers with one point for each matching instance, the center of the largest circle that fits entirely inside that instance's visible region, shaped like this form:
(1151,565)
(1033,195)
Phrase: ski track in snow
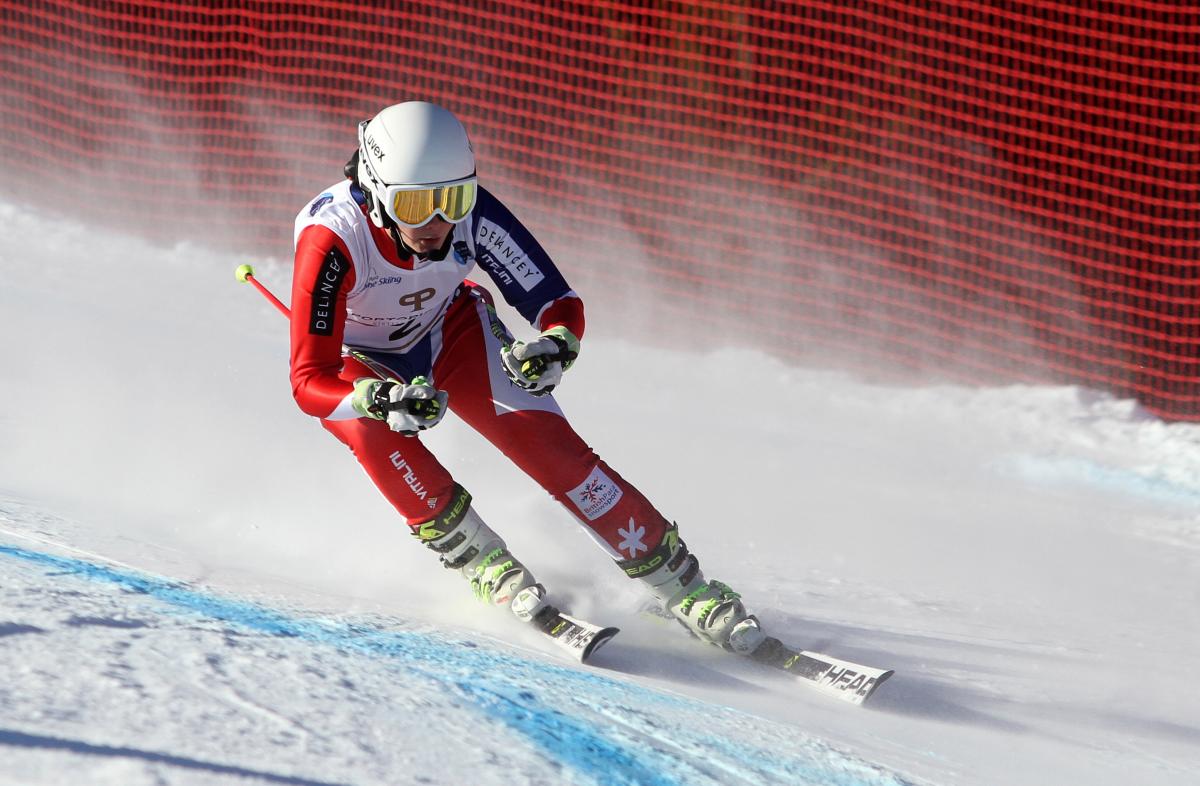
(597,729)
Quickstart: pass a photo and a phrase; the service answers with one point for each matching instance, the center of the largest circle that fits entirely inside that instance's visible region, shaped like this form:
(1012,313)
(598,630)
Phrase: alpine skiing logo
(596,495)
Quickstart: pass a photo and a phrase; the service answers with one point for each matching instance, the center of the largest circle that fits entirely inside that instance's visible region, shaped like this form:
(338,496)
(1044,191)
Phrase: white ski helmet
(416,144)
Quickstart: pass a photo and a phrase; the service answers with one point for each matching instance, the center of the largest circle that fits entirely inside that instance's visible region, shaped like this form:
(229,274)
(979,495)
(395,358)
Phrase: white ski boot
(466,544)
(709,609)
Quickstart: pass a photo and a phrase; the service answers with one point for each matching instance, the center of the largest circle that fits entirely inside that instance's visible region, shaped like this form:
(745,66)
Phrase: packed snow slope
(198,585)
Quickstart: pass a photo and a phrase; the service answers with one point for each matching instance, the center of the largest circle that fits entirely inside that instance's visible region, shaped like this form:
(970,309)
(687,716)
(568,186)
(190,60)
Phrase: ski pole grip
(245,273)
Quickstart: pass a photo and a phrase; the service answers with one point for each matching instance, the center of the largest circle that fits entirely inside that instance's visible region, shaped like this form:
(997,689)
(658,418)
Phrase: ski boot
(465,543)
(709,609)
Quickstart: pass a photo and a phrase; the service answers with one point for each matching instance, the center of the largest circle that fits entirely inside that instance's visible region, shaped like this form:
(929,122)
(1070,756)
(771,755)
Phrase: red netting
(993,190)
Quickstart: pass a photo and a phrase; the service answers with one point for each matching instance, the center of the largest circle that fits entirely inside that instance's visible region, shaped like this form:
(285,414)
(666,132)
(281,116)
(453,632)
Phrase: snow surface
(198,585)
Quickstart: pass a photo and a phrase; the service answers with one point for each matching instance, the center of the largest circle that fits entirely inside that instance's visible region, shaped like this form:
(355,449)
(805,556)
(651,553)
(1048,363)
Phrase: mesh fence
(988,190)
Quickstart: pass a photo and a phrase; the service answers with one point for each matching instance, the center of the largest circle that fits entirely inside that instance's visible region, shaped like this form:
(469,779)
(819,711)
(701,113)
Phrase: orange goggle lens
(417,206)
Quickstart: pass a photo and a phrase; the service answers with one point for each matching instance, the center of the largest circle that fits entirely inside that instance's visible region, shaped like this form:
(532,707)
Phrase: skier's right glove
(406,408)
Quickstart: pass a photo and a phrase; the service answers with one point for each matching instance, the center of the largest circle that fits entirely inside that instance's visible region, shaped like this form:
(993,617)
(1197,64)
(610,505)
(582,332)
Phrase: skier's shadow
(20,739)
(908,692)
(653,663)
(913,696)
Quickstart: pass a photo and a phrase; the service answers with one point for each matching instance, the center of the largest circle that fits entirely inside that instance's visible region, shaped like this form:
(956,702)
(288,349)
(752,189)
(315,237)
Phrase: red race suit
(406,316)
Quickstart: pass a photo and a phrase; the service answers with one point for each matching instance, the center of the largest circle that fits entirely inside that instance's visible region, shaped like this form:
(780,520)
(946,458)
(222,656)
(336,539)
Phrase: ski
(842,679)
(852,682)
(576,637)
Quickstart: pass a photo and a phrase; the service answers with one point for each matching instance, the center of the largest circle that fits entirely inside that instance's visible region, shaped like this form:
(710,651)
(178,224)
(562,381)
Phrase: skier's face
(427,238)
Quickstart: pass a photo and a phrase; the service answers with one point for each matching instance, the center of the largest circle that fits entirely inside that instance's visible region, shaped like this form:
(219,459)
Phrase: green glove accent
(538,366)
(569,347)
(363,399)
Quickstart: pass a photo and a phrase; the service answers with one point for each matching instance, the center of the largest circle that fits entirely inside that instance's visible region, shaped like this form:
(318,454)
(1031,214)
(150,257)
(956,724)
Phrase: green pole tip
(243,272)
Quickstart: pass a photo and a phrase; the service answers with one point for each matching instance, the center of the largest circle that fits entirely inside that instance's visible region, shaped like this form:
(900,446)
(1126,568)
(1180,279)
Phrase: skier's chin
(429,240)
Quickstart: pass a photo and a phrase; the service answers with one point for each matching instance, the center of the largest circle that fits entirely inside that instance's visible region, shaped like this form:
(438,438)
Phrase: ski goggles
(415,206)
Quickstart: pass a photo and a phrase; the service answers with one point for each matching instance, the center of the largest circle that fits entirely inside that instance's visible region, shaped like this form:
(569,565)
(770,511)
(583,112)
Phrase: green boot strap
(488,575)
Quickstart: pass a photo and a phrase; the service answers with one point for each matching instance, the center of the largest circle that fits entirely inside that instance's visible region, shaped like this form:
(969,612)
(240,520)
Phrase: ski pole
(245,273)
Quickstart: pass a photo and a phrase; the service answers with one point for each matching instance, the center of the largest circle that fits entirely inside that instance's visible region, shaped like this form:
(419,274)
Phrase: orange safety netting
(992,191)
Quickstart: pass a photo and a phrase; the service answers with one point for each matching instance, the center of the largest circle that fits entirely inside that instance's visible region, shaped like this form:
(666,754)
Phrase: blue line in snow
(498,685)
(563,738)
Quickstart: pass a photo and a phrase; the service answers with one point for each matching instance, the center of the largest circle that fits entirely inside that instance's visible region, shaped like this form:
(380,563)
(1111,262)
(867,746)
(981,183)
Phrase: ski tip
(878,681)
(599,640)
(850,682)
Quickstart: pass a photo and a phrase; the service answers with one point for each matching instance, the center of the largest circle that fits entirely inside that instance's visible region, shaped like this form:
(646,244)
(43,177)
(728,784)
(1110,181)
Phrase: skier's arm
(533,285)
(527,278)
(323,275)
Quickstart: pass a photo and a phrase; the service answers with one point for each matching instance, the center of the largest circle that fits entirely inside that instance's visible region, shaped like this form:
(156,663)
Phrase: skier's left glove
(538,366)
(406,408)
